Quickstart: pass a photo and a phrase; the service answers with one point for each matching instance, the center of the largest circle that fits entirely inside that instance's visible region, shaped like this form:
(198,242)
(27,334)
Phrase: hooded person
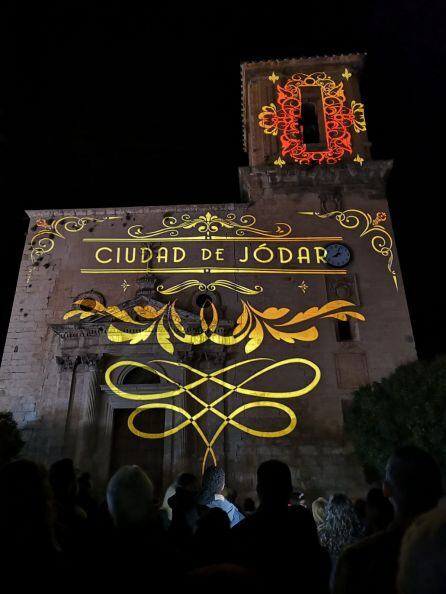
(213,483)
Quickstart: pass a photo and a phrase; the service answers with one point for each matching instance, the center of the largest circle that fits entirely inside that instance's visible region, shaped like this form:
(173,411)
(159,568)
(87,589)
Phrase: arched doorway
(128,448)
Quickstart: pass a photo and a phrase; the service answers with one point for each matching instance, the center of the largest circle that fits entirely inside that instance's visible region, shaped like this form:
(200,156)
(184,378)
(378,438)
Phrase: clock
(338,255)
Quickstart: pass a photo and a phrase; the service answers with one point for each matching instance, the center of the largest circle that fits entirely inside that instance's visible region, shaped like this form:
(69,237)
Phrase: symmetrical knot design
(230,390)
(201,286)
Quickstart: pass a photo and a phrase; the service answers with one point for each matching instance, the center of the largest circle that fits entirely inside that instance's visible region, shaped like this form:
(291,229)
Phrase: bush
(409,406)
(10,441)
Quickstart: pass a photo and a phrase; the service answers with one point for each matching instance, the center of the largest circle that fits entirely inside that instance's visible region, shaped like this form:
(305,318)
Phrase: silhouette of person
(222,578)
(72,530)
(211,540)
(413,485)
(139,539)
(280,542)
(422,567)
(319,510)
(28,547)
(185,511)
(341,527)
(378,511)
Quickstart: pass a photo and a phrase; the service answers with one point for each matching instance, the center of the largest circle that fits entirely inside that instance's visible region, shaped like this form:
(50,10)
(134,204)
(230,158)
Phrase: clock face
(338,255)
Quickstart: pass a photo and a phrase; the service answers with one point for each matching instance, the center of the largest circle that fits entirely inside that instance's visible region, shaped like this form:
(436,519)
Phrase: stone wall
(45,374)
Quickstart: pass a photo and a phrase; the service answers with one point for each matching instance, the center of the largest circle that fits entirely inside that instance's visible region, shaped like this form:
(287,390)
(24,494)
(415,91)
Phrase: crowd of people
(53,532)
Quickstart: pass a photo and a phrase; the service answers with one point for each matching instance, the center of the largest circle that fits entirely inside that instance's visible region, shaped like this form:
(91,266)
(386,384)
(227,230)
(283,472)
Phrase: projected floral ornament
(284,120)
(251,327)
(211,226)
(372,227)
(44,240)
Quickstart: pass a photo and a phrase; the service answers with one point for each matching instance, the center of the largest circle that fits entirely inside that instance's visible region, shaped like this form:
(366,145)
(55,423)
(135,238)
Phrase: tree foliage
(409,406)
(10,441)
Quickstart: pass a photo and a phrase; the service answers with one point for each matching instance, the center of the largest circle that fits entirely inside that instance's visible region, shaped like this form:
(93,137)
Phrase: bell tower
(305,134)
(304,112)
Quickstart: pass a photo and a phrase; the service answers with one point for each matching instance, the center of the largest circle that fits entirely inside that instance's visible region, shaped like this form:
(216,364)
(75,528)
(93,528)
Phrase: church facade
(180,336)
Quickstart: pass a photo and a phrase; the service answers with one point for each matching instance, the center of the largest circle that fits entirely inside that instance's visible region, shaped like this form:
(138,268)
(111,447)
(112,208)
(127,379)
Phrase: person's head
(84,484)
(413,481)
(187,482)
(212,525)
(63,480)
(170,492)
(342,526)
(213,481)
(360,506)
(249,505)
(422,567)
(318,508)
(274,485)
(130,497)
(339,508)
(379,510)
(26,507)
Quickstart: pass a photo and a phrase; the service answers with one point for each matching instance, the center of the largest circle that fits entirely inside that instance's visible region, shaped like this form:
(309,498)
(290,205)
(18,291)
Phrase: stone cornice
(357,59)
(167,210)
(372,174)
(71,330)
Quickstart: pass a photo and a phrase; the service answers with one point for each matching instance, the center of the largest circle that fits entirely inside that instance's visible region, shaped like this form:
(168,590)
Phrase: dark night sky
(126,104)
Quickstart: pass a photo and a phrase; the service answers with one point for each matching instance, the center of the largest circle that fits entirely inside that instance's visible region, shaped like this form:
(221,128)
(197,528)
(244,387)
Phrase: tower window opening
(310,124)
(344,331)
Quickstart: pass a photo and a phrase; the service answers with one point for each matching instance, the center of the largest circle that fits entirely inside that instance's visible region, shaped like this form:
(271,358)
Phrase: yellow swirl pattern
(380,238)
(43,241)
(251,325)
(209,224)
(226,284)
(229,390)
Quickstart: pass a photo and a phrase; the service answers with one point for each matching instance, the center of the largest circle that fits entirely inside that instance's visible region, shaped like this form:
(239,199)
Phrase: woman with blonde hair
(318,508)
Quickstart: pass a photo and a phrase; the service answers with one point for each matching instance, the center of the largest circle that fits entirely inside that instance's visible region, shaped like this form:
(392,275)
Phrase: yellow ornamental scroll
(267,398)
(251,326)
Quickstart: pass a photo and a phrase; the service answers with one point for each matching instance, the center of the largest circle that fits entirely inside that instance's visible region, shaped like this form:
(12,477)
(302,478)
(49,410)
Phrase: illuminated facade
(181,336)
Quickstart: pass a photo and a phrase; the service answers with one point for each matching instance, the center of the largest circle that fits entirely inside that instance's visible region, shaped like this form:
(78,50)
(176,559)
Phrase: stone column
(66,389)
(103,439)
(86,441)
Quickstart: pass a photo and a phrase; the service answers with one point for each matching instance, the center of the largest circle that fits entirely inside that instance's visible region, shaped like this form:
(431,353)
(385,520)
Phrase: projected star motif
(303,287)
(125,285)
(280,162)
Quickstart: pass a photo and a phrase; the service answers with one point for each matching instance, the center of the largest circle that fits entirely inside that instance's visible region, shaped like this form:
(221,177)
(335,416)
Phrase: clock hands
(337,254)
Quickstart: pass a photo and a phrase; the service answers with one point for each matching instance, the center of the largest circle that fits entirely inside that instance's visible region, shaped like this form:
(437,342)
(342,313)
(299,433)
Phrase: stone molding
(67,362)
(372,174)
(91,360)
